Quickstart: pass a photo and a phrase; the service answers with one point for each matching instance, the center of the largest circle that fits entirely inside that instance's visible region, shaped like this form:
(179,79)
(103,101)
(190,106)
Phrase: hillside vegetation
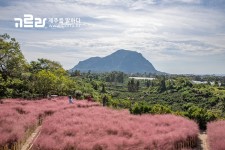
(174,94)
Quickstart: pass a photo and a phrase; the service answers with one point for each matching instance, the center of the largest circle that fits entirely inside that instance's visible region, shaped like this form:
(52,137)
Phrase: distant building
(204,82)
(141,78)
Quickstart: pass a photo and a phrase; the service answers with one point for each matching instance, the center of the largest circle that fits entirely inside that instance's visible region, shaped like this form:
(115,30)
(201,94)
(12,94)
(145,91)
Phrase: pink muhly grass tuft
(216,135)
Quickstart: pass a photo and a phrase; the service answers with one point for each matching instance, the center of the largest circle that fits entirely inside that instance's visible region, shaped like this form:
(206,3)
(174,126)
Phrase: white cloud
(183,1)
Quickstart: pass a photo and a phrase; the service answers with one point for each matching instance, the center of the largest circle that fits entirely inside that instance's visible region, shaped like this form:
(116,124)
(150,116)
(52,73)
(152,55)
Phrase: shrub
(78,94)
(141,108)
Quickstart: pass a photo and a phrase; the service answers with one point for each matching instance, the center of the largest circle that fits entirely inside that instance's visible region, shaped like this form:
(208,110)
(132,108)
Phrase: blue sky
(176,36)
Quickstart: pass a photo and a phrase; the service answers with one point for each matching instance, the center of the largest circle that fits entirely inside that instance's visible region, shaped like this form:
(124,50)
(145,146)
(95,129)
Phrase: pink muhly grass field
(216,135)
(85,125)
(104,128)
(17,115)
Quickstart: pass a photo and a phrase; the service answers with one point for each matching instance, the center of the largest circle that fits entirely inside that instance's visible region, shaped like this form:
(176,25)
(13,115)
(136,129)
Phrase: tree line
(40,78)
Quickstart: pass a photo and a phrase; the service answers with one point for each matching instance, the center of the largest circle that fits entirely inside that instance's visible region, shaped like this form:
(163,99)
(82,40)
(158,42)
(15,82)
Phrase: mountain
(122,60)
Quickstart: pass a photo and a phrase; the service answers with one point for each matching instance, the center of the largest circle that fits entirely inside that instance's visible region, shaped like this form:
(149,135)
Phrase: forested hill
(122,60)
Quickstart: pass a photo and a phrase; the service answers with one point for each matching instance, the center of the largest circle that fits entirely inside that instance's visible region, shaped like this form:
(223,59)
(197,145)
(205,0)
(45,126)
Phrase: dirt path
(202,143)
(29,143)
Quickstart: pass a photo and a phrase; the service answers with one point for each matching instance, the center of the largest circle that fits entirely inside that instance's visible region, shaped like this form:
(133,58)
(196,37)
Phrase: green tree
(2,87)
(133,86)
(12,61)
(148,83)
(45,64)
(94,85)
(120,77)
(103,88)
(137,85)
(48,77)
(223,103)
(136,109)
(160,109)
(12,67)
(170,84)
(162,84)
(201,116)
(45,82)
(75,73)
(216,83)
